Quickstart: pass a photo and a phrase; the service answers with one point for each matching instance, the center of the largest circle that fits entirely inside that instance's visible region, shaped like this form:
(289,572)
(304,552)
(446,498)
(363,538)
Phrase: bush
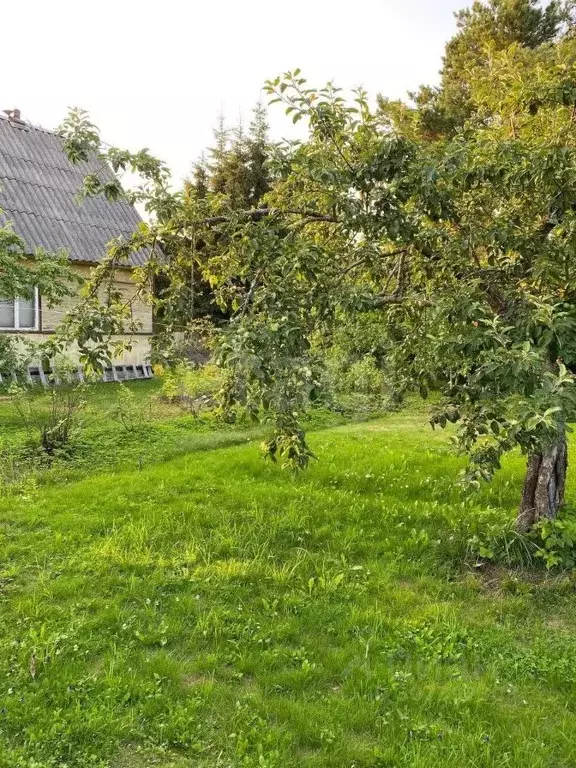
(189,386)
(129,411)
(51,418)
(553,542)
(357,384)
(15,355)
(365,377)
(556,540)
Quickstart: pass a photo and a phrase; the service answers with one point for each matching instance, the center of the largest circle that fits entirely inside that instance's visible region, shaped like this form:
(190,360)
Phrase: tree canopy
(462,240)
(233,175)
(484,29)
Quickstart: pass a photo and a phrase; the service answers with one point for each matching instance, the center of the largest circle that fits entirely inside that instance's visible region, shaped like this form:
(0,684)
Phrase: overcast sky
(156,73)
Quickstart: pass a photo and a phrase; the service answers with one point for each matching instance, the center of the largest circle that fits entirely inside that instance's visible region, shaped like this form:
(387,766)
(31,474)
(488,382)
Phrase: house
(38,194)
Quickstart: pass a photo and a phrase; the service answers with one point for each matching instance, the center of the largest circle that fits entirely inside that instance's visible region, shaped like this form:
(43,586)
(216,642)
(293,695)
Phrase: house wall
(141,311)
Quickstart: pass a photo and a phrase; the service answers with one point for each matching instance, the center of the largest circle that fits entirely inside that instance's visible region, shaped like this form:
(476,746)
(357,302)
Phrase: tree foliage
(235,169)
(22,271)
(463,243)
(233,175)
(484,29)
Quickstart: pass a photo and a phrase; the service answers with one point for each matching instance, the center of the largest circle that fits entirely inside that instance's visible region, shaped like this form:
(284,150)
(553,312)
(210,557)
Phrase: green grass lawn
(166,430)
(213,610)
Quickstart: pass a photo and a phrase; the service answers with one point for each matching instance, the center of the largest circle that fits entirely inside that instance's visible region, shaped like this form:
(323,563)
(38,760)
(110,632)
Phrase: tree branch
(250,293)
(360,262)
(381,301)
(260,213)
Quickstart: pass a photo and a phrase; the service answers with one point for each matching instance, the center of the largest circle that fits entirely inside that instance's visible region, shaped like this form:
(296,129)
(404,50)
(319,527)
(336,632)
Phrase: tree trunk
(543,492)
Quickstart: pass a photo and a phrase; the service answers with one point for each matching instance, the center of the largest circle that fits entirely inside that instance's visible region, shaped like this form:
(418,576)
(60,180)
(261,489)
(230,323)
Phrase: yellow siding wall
(142,312)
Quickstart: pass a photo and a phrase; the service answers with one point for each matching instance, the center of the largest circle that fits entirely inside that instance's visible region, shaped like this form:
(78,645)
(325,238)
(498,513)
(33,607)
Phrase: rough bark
(543,492)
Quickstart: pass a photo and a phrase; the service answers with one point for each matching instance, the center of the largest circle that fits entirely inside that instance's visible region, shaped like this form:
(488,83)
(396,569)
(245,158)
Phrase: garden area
(171,599)
(337,528)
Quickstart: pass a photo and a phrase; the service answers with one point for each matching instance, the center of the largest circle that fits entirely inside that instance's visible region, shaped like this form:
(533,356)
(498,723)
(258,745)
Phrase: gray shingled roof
(38,188)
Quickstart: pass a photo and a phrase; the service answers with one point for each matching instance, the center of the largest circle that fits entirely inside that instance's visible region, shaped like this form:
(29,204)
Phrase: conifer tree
(258,150)
(237,169)
(199,181)
(216,167)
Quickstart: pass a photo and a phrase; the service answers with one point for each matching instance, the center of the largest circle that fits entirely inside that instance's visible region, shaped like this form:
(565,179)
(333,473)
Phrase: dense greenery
(233,175)
(236,169)
(463,245)
(212,610)
(484,29)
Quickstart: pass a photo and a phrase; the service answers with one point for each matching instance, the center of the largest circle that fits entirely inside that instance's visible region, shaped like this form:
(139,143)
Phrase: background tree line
(234,174)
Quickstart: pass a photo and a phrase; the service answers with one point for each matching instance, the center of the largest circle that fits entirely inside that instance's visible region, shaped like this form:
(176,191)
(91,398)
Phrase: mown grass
(213,610)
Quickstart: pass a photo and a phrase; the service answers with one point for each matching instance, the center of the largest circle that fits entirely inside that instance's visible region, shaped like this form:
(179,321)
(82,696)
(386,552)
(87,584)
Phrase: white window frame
(16,326)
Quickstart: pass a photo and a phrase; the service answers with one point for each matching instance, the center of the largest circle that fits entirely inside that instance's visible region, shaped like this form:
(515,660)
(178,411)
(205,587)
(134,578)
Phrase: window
(19,314)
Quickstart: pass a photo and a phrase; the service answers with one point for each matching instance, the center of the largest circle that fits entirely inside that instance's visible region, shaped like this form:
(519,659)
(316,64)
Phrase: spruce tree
(218,156)
(200,179)
(236,171)
(237,168)
(258,150)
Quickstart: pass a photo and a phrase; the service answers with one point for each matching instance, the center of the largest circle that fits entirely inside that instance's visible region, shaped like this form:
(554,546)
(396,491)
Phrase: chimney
(14,115)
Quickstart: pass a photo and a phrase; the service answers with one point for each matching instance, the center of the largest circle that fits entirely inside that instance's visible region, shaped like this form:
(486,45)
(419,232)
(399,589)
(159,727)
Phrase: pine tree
(218,155)
(258,146)
(200,179)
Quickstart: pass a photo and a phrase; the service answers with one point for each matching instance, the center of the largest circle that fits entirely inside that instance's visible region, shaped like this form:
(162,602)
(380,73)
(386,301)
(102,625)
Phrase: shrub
(129,411)
(551,541)
(188,386)
(51,418)
(556,540)
(15,355)
(365,377)
(357,384)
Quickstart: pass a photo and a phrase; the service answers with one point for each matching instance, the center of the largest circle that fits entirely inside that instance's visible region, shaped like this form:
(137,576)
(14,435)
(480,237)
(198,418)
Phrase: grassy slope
(215,611)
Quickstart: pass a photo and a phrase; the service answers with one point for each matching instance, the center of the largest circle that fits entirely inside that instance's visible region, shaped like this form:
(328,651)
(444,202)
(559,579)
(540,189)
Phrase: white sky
(156,73)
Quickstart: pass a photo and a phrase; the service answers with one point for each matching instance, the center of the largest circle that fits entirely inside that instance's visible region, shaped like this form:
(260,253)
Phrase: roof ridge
(23,124)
